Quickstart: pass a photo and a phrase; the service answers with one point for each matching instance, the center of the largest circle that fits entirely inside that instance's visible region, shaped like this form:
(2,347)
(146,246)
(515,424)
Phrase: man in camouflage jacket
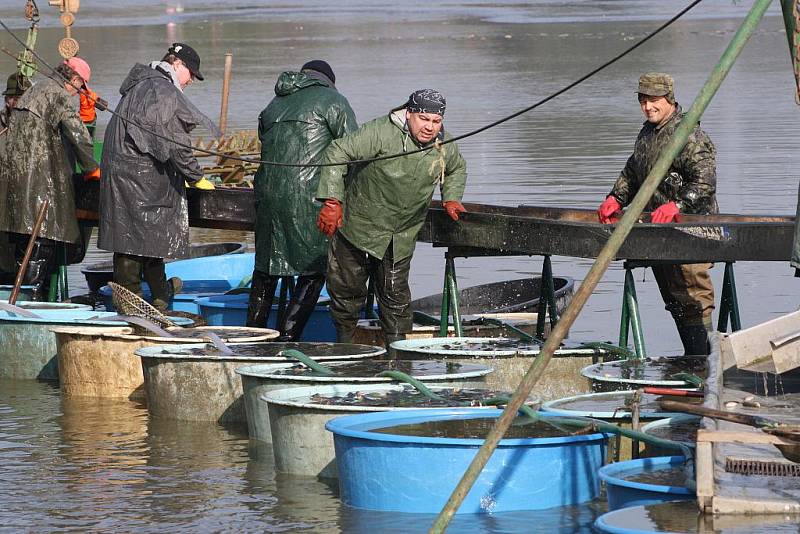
(689,187)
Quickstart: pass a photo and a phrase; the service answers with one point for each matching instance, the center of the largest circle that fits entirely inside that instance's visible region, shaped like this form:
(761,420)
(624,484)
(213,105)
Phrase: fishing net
(128,303)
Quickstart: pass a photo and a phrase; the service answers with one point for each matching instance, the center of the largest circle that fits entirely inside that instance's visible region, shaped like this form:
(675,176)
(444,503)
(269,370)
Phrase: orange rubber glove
(92,176)
(454,207)
(607,212)
(330,217)
(87,111)
(665,213)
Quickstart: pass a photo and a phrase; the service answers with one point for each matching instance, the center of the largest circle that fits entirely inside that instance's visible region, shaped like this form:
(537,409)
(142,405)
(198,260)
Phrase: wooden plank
(733,505)
(734,436)
(704,476)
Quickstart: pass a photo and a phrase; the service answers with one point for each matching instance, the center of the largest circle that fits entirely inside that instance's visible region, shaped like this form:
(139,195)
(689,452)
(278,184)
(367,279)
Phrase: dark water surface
(104,466)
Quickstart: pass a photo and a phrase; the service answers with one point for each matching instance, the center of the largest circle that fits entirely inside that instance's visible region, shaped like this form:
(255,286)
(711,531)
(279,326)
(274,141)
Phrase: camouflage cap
(16,85)
(655,84)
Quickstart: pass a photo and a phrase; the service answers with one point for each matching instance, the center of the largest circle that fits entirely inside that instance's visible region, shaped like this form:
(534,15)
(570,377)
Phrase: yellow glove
(202,183)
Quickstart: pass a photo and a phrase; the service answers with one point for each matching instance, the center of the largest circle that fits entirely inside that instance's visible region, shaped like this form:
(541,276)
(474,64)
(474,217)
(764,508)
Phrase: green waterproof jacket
(297,126)
(387,201)
(692,178)
(45,136)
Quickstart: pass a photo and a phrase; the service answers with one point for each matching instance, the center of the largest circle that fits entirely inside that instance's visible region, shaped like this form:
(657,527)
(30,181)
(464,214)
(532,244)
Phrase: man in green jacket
(689,187)
(380,210)
(297,126)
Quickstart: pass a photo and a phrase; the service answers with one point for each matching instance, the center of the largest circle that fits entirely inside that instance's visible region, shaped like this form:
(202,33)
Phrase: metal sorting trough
(655,371)
(100,362)
(623,492)
(510,359)
(197,382)
(263,378)
(403,473)
(299,441)
(28,347)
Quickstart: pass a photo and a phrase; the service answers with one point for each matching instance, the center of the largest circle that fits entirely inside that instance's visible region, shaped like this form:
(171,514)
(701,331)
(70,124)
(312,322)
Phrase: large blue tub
(417,474)
(25,292)
(231,310)
(622,492)
(209,275)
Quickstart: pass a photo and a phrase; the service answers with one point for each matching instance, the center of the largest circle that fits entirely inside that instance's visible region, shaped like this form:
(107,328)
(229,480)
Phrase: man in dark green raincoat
(297,126)
(380,210)
(45,135)
(689,187)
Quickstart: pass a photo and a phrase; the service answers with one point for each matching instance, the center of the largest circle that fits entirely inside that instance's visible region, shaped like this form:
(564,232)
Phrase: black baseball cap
(189,57)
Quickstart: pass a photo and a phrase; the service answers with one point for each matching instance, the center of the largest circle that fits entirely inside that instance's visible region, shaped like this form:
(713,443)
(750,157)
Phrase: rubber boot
(391,338)
(41,265)
(262,292)
(304,300)
(128,272)
(161,289)
(695,339)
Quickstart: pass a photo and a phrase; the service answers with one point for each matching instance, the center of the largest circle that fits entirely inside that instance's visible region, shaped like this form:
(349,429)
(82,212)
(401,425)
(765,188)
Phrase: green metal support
(603,260)
(630,318)
(547,300)
(452,286)
(450,297)
(729,302)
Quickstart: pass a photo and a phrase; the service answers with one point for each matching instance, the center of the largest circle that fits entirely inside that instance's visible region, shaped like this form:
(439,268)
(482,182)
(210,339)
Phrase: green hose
(305,360)
(614,350)
(689,378)
(422,388)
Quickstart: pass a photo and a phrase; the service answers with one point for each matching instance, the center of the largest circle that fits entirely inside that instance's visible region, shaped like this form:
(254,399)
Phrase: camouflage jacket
(692,178)
(45,136)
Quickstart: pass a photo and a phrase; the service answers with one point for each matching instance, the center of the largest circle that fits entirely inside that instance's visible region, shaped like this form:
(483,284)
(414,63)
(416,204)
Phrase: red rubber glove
(666,213)
(92,176)
(330,217)
(454,207)
(607,212)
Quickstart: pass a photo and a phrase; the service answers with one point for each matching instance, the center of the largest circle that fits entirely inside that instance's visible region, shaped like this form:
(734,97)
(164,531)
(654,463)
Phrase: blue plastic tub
(25,292)
(624,493)
(680,517)
(417,474)
(231,310)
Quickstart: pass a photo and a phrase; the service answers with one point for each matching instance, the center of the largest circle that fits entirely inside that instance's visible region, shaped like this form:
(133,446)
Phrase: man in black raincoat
(297,126)
(45,136)
(147,159)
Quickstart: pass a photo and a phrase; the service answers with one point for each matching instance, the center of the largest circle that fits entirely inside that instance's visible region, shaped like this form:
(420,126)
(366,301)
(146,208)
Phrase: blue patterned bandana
(426,101)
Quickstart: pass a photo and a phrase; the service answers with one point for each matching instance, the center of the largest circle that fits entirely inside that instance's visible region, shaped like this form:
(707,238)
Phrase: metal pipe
(604,259)
(26,258)
(444,312)
(452,285)
(226,91)
(633,313)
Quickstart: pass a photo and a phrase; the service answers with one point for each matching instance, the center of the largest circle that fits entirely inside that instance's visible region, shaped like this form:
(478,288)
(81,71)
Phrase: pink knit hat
(81,67)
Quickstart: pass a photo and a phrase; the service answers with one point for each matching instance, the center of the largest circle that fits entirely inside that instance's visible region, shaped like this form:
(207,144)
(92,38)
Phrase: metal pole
(736,320)
(226,91)
(550,291)
(604,259)
(444,313)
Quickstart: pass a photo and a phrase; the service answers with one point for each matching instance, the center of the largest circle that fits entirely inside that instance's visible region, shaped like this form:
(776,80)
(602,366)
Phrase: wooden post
(226,90)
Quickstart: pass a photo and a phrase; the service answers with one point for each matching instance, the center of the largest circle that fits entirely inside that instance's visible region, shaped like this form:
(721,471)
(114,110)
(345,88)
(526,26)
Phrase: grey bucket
(185,385)
(260,379)
(561,378)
